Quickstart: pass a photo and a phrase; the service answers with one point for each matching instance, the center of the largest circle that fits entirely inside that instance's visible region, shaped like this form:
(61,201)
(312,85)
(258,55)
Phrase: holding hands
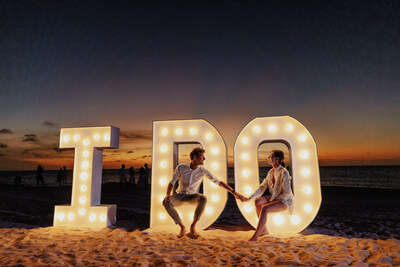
(239,196)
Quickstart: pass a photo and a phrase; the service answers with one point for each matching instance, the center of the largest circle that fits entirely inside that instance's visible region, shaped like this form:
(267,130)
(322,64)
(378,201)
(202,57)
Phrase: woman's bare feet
(193,234)
(182,232)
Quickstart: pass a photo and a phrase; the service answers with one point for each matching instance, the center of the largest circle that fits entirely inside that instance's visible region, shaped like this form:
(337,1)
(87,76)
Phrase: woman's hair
(279,154)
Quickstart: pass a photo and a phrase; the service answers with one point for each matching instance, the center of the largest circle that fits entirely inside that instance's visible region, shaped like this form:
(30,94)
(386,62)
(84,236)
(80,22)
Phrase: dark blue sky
(334,66)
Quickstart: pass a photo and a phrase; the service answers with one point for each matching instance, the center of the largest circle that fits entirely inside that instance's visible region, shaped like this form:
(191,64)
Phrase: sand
(59,246)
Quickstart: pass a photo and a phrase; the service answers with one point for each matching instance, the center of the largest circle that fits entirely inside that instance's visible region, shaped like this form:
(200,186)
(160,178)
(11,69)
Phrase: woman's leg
(275,206)
(260,202)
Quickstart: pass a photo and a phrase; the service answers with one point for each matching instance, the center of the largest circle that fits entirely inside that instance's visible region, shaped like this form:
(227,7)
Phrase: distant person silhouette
(132,176)
(146,175)
(60,176)
(141,177)
(39,175)
(122,175)
(64,176)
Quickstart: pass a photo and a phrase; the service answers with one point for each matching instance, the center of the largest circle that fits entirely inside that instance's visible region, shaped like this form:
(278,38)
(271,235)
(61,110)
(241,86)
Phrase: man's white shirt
(190,180)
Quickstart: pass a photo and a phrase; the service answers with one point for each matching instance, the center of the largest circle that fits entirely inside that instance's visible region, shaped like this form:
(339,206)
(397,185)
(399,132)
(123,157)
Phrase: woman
(278,181)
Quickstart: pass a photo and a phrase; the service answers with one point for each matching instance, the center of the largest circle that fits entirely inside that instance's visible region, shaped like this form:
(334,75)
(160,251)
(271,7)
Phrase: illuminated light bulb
(82,200)
(193,130)
(163,148)
(76,137)
(92,217)
(103,217)
(256,129)
(245,173)
(191,215)
(245,156)
(209,136)
(83,188)
(307,190)
(278,219)
(85,164)
(61,216)
(302,137)
(163,164)
(71,216)
(307,207)
(214,150)
(66,138)
(247,190)
(162,215)
(245,140)
(96,137)
(86,142)
(272,128)
(305,172)
(295,219)
(106,137)
(84,176)
(163,181)
(289,127)
(215,166)
(209,210)
(178,131)
(247,207)
(85,153)
(304,154)
(82,211)
(215,197)
(164,132)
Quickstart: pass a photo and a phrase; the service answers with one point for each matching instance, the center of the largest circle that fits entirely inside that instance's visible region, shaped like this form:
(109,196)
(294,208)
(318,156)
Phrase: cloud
(30,138)
(147,136)
(3,145)
(48,123)
(6,131)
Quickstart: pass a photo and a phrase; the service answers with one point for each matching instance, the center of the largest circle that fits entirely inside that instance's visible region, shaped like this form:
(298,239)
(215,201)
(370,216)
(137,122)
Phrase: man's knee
(166,202)
(203,199)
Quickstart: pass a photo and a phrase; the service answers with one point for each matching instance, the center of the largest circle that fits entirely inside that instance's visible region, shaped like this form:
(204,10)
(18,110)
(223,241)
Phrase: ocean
(346,176)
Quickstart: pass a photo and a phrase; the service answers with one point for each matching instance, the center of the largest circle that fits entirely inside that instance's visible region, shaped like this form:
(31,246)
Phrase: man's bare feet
(181,233)
(193,234)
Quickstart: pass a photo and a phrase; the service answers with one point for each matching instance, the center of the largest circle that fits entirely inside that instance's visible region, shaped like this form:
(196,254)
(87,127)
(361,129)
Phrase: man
(122,176)
(190,176)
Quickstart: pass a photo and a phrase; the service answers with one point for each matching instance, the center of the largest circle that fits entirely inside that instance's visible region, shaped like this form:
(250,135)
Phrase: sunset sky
(334,66)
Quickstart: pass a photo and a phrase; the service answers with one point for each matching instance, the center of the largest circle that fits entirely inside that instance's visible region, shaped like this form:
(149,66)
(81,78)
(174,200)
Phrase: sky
(332,65)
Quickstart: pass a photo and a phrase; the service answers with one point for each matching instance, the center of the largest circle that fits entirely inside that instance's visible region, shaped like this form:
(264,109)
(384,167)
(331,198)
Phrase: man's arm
(229,189)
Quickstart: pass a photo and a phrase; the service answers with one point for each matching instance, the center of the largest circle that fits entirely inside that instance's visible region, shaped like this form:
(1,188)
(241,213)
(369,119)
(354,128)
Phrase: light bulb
(85,153)
(215,197)
(66,138)
(246,173)
(214,150)
(295,219)
(307,190)
(84,176)
(82,211)
(193,131)
(85,164)
(178,131)
(163,148)
(83,188)
(163,164)
(92,217)
(96,137)
(164,131)
(71,216)
(256,129)
(304,154)
(278,219)
(245,156)
(307,207)
(82,200)
(103,217)
(163,181)
(247,190)
(215,166)
(247,207)
(289,127)
(209,210)
(76,137)
(61,216)
(302,137)
(245,140)
(272,128)
(305,172)
(162,215)
(209,136)
(106,137)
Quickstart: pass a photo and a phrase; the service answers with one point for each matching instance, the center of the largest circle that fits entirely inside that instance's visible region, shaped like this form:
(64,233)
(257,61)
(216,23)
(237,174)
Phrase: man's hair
(196,152)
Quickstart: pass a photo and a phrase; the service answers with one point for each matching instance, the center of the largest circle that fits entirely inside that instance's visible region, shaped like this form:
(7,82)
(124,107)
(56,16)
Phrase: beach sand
(353,226)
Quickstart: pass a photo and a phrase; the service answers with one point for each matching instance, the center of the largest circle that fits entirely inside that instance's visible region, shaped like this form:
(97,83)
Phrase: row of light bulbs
(86,142)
